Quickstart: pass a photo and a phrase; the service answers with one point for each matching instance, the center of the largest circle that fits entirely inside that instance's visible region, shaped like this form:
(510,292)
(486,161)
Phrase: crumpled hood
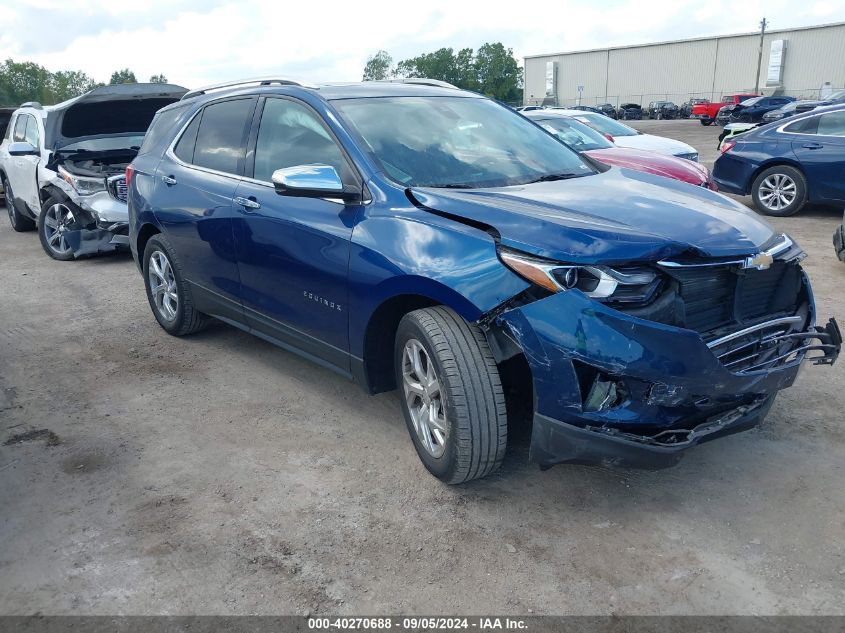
(119,110)
(618,216)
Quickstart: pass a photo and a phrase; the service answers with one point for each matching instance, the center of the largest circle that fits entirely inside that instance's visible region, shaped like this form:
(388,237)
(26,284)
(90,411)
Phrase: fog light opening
(605,393)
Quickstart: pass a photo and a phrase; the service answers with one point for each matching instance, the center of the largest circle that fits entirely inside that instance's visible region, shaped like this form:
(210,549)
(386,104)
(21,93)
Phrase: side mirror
(608,136)
(313,181)
(22,148)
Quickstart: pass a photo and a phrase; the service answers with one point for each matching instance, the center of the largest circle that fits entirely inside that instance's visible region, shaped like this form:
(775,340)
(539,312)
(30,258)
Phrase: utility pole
(763,25)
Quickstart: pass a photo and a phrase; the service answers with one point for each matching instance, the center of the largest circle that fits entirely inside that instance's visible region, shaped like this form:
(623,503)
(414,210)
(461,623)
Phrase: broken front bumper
(101,224)
(612,388)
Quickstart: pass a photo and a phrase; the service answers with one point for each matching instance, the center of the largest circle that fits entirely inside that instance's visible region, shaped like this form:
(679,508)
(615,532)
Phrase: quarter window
(804,126)
(290,134)
(832,123)
(184,149)
(20,128)
(32,135)
(221,135)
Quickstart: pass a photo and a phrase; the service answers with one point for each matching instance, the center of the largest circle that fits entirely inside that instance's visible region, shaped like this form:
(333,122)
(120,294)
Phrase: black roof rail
(424,81)
(259,81)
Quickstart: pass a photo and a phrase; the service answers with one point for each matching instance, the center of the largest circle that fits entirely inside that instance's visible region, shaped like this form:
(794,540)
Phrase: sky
(197,42)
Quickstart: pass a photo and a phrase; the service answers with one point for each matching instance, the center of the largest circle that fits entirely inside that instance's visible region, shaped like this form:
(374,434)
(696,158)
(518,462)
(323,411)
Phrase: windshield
(577,135)
(839,94)
(457,142)
(106,144)
(749,102)
(606,125)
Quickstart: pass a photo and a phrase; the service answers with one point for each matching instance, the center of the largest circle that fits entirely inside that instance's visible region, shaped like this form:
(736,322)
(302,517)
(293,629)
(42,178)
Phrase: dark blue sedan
(786,164)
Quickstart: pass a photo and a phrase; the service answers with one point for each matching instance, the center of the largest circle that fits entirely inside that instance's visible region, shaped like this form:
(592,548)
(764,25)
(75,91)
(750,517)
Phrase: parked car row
(414,236)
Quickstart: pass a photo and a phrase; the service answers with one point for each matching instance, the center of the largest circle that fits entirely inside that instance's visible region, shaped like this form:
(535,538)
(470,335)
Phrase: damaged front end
(633,365)
(93,187)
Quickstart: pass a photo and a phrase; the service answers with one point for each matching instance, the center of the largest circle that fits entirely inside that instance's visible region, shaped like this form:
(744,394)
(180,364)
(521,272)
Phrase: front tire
(779,191)
(52,223)
(451,395)
(19,221)
(706,121)
(169,295)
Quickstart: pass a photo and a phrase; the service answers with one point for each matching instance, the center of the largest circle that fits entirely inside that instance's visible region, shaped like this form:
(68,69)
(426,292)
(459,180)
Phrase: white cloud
(195,41)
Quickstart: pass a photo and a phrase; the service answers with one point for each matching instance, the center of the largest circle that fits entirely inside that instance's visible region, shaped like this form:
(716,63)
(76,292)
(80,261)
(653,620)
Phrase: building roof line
(683,41)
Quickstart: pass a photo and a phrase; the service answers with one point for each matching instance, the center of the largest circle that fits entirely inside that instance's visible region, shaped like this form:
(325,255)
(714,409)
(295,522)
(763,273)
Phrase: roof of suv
(332,91)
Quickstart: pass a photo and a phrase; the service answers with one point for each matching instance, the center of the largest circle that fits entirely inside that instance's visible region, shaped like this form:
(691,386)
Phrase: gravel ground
(218,475)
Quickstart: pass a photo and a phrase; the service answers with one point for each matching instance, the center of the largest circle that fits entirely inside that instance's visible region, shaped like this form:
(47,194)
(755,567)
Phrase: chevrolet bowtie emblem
(761,261)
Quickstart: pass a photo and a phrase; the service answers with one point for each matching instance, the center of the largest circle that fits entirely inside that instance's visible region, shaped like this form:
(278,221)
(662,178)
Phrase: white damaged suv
(63,166)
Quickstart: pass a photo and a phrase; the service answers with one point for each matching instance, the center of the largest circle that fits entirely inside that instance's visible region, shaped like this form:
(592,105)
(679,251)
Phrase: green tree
(378,66)
(124,76)
(66,84)
(158,79)
(23,81)
(492,70)
(498,74)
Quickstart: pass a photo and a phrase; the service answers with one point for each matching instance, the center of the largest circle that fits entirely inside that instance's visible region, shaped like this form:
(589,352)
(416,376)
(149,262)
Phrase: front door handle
(248,203)
(813,145)
(168,180)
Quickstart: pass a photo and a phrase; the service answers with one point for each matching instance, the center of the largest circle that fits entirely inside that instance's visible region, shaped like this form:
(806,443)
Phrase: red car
(582,138)
(706,112)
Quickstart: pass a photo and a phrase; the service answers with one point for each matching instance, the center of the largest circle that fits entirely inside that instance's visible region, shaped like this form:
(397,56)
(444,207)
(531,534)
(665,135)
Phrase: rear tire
(706,121)
(170,298)
(451,394)
(779,191)
(19,222)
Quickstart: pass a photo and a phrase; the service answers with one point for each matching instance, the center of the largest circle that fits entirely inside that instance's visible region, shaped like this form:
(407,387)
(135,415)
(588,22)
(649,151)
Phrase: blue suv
(415,236)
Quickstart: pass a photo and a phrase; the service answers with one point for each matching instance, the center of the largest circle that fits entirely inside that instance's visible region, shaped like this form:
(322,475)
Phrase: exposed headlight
(82,185)
(611,285)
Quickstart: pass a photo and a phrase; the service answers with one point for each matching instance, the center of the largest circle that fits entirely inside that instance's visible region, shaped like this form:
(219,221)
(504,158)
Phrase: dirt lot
(218,475)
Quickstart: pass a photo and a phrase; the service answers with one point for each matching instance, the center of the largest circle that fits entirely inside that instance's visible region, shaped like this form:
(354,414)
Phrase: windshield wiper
(454,185)
(553,177)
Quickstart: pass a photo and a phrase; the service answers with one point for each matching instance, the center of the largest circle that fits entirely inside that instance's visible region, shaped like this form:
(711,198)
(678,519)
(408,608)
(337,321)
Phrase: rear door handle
(168,180)
(813,145)
(248,203)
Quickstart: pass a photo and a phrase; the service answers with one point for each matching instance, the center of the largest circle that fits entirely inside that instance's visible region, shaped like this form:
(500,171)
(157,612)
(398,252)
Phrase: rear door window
(221,137)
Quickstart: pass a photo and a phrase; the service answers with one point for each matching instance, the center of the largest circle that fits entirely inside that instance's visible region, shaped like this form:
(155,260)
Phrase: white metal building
(795,62)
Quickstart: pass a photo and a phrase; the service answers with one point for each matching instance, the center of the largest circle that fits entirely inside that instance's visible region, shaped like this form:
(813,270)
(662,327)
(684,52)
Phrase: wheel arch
(375,371)
(774,162)
(145,232)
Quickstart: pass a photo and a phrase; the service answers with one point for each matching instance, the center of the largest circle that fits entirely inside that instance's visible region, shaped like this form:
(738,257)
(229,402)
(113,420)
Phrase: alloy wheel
(424,398)
(777,192)
(56,220)
(163,286)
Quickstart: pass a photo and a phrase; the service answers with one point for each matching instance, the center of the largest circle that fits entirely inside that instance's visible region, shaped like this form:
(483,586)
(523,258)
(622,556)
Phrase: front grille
(117,188)
(716,299)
